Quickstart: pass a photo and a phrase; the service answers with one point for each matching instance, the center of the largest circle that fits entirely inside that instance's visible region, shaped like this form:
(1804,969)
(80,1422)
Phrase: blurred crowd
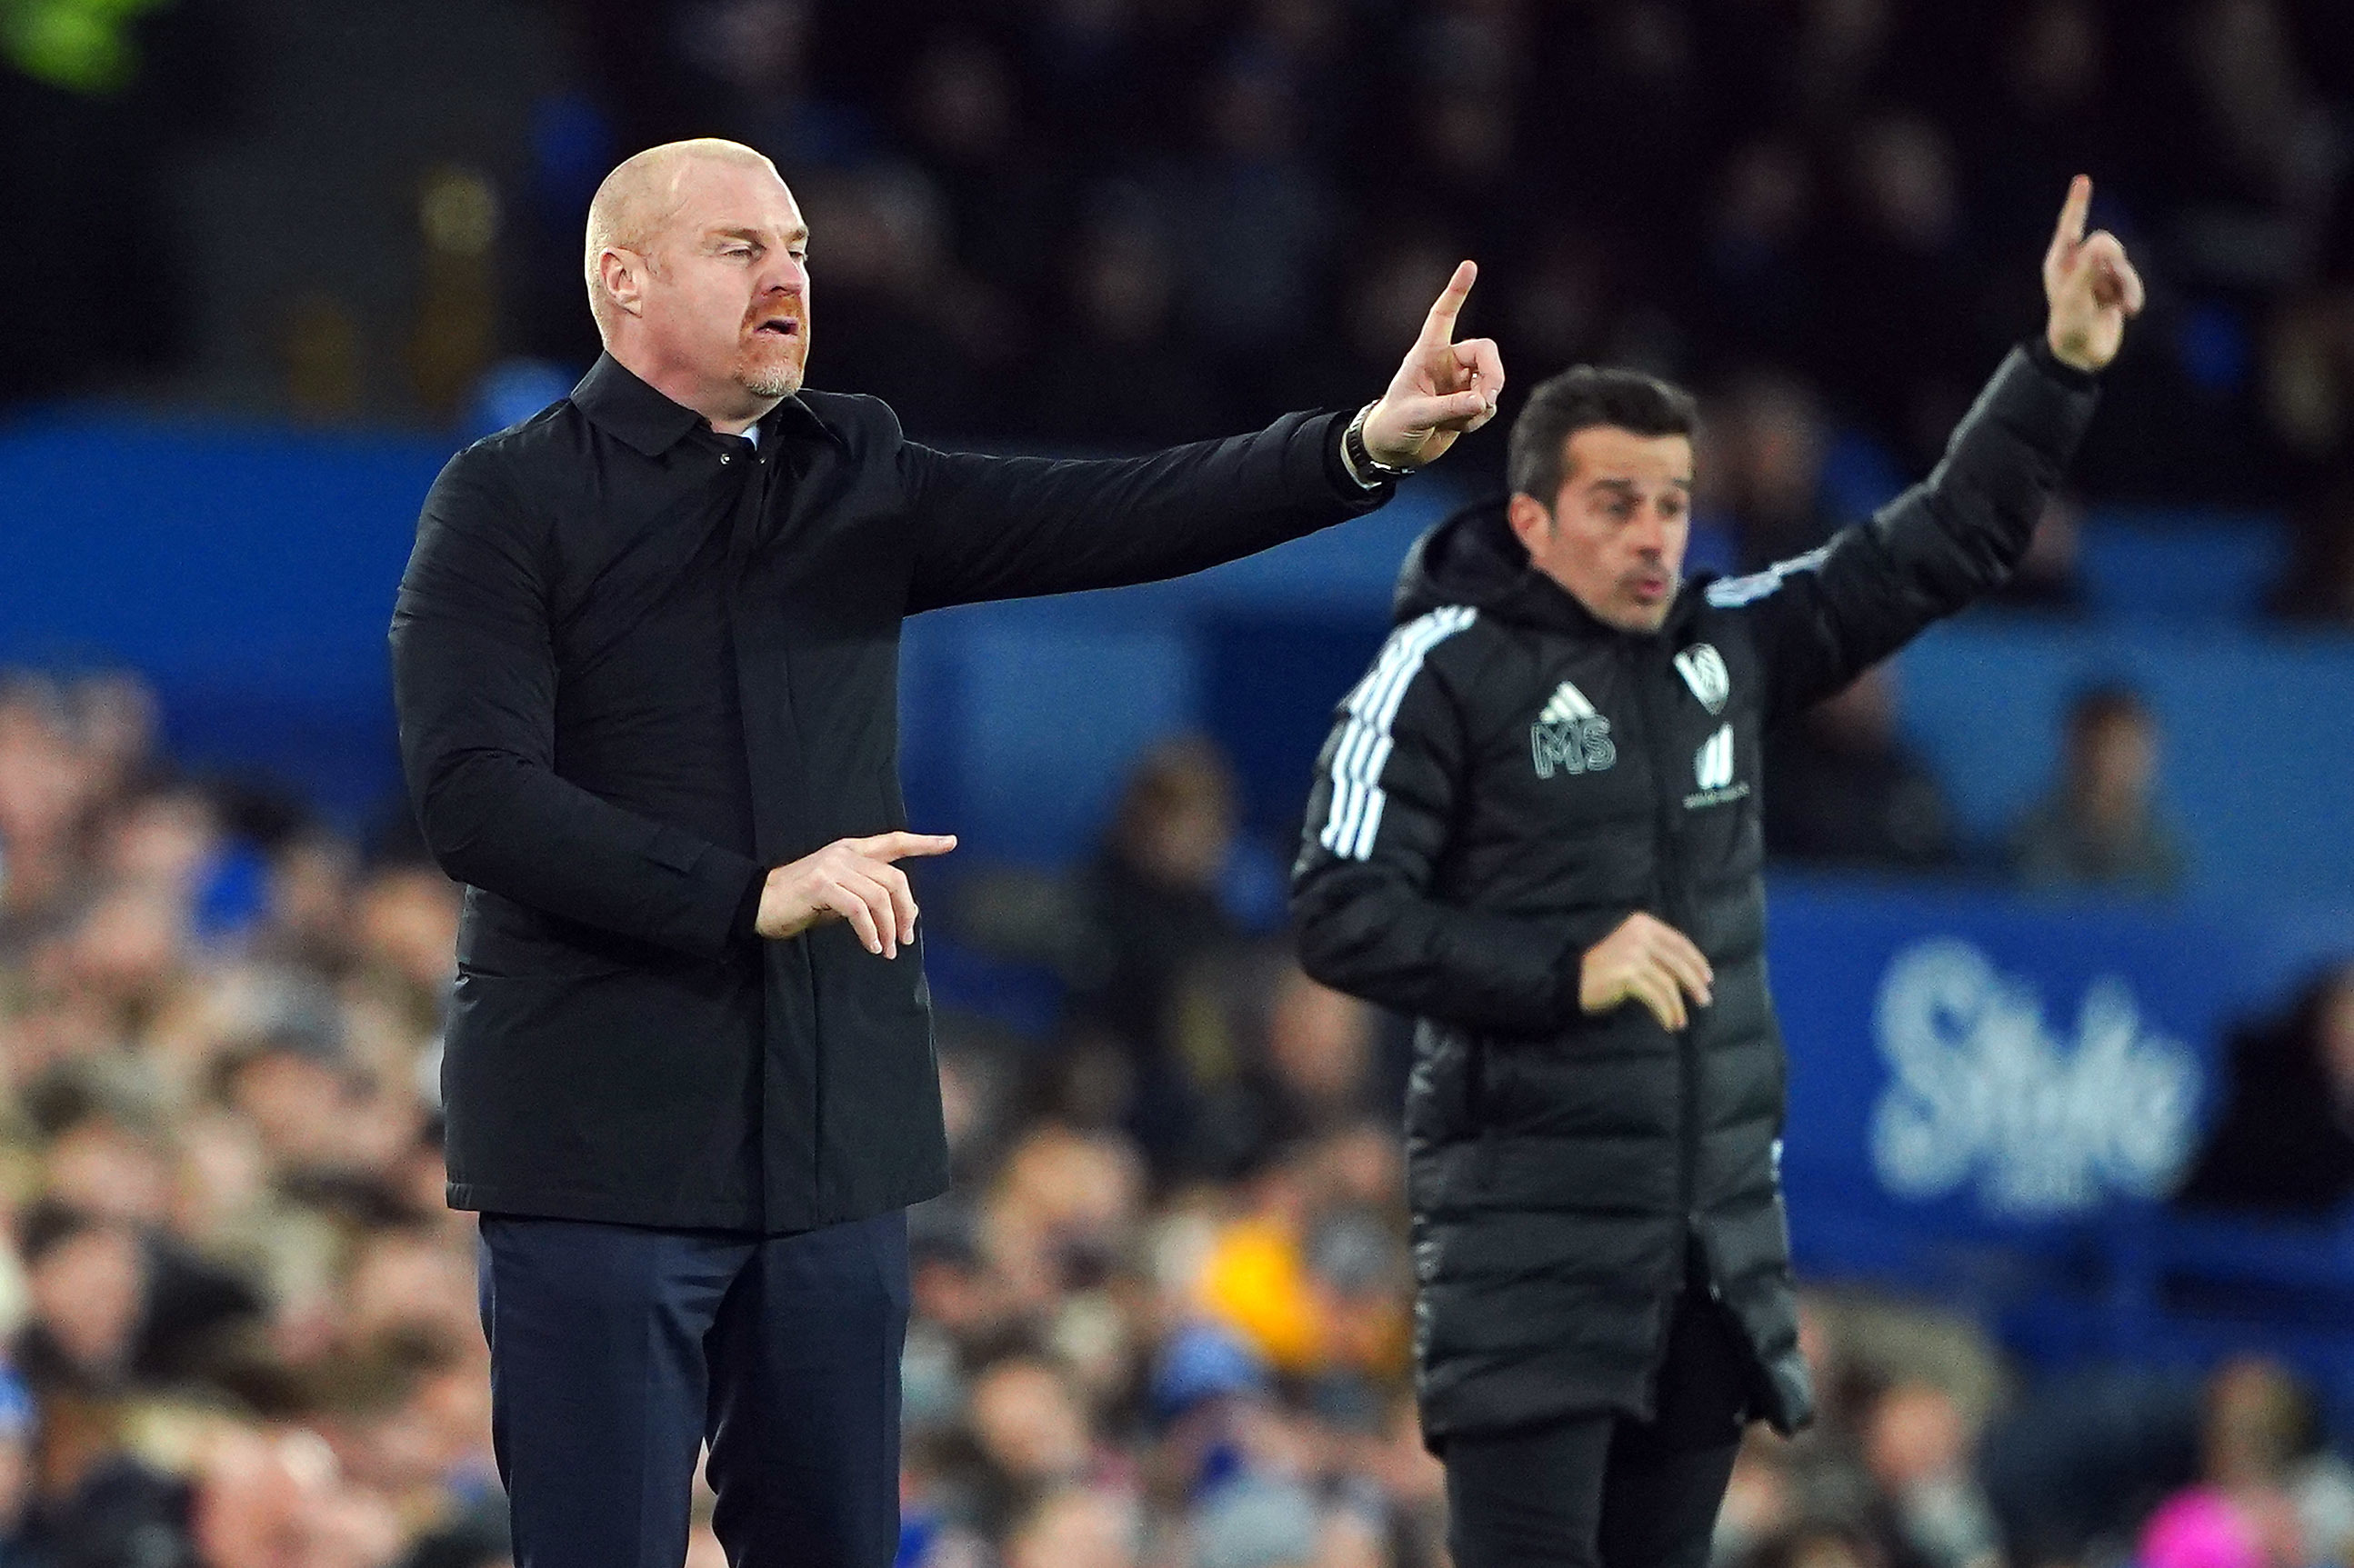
(1162,1320)
(1122,222)
(241,1321)
(1112,223)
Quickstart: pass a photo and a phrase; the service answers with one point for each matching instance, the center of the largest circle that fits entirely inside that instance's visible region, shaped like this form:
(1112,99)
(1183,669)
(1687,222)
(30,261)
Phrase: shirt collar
(616,401)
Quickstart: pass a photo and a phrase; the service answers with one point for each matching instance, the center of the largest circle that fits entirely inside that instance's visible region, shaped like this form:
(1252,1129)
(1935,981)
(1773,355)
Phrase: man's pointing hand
(1444,389)
(2092,288)
(853,880)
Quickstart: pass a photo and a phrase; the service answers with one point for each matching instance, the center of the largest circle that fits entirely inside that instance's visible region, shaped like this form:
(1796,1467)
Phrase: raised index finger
(2072,213)
(1440,328)
(901,846)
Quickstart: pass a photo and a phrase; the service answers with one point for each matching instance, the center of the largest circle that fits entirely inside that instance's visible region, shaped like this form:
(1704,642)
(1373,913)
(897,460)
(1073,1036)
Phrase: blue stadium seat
(2159,564)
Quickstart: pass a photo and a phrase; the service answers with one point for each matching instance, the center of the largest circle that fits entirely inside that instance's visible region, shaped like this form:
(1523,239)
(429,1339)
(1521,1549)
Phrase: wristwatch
(1362,466)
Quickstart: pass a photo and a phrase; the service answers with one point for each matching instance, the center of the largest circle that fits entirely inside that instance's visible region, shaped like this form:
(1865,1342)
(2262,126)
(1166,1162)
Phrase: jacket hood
(1469,558)
(1472,557)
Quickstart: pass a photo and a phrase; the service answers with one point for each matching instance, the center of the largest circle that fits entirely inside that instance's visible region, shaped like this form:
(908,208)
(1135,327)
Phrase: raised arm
(474,685)
(993,527)
(1010,527)
(1387,787)
(1825,617)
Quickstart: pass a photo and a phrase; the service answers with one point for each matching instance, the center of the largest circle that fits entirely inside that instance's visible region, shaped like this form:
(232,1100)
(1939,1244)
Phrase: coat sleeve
(1823,618)
(998,527)
(1389,787)
(474,686)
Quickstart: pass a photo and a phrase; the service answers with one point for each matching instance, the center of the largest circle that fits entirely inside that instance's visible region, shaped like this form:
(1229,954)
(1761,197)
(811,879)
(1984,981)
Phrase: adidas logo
(1568,702)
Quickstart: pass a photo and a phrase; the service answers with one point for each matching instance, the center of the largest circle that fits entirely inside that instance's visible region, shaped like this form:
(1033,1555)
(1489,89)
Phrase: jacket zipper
(1671,910)
(1663,887)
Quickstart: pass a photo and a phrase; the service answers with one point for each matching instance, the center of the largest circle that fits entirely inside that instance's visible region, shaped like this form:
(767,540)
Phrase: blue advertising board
(1974,1068)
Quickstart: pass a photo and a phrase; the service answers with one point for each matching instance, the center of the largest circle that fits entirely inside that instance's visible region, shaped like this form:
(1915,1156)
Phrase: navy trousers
(617,1351)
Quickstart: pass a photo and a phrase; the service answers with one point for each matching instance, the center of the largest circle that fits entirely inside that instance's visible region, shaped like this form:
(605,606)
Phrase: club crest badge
(1703,668)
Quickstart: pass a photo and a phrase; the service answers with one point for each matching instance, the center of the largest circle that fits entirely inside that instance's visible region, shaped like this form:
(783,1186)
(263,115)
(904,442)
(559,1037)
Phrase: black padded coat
(1508,783)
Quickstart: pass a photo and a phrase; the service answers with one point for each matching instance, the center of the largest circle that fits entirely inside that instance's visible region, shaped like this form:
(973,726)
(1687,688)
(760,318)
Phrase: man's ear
(1529,519)
(622,272)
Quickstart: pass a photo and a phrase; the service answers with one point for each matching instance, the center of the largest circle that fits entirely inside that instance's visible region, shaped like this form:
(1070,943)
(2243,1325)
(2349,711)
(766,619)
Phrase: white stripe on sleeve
(1365,744)
(1732,593)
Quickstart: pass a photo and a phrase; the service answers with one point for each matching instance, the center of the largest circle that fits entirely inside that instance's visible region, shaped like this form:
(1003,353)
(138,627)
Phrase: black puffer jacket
(1511,781)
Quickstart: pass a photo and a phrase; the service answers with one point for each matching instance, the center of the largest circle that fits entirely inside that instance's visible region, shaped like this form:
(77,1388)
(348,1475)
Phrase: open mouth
(783,327)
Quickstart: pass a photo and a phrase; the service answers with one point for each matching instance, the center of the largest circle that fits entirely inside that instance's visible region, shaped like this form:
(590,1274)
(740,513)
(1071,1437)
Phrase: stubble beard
(772,369)
(771,380)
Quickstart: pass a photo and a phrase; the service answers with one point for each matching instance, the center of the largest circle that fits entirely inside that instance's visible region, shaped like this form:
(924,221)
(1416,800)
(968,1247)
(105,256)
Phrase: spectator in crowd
(1255,1523)
(1035,1438)
(1842,789)
(914,327)
(2101,827)
(1888,1476)
(1308,1272)
(963,114)
(2283,1143)
(2265,1497)
(478,1541)
(1768,471)
(1318,1058)
(1152,987)
(1253,217)
(1762,291)
(2262,1444)
(1121,378)
(1075,1527)
(1917,1447)
(1907,277)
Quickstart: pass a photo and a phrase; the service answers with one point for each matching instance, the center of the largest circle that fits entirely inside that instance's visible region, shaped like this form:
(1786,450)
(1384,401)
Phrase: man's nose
(1650,534)
(786,274)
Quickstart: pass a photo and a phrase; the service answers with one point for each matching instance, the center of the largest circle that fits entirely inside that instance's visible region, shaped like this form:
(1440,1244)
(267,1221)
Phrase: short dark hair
(1579,399)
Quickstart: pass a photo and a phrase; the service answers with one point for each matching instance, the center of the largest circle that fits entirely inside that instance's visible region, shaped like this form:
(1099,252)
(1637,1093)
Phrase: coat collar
(626,407)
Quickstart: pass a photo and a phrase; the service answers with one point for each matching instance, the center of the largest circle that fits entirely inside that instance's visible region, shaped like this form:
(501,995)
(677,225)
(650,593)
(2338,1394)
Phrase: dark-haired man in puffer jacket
(1535,828)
